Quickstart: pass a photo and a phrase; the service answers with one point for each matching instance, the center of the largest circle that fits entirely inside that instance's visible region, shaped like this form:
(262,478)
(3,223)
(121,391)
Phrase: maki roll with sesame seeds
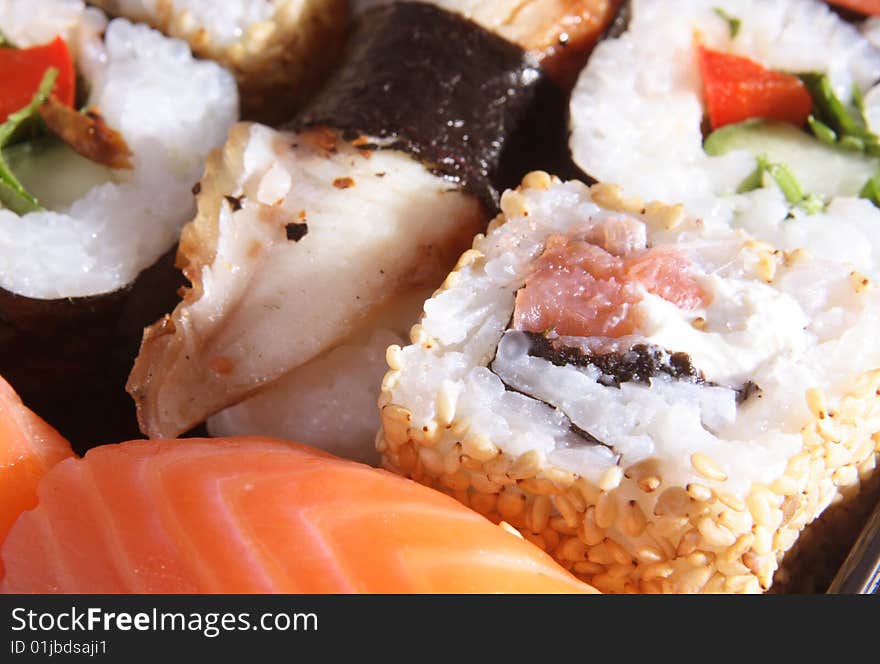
(662,402)
(279,50)
(104,128)
(335,230)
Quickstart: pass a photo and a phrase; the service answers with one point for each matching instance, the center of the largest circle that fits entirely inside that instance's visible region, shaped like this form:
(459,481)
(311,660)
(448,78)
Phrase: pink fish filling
(587,283)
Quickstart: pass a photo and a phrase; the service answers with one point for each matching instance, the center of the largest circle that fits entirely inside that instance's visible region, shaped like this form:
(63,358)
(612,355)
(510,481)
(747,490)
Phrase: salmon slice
(586,283)
(257,515)
(28,449)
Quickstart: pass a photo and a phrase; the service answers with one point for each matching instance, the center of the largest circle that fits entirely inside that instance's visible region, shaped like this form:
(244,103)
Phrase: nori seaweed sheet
(69,358)
(448,92)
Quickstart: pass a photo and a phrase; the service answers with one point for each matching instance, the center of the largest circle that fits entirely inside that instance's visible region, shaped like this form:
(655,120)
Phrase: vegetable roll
(658,399)
(742,105)
(91,201)
(335,230)
(278,49)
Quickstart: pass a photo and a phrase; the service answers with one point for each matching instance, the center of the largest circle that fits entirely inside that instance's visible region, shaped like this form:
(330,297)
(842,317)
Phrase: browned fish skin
(87,133)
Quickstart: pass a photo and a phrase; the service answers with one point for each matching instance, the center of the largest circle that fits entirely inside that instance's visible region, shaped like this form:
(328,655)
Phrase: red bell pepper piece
(23,69)
(738,89)
(861,6)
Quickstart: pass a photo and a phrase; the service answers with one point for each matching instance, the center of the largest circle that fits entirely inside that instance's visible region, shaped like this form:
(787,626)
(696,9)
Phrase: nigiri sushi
(256,516)
(28,449)
(334,229)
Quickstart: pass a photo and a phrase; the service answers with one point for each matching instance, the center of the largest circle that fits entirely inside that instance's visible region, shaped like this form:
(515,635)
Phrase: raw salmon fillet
(28,449)
(256,515)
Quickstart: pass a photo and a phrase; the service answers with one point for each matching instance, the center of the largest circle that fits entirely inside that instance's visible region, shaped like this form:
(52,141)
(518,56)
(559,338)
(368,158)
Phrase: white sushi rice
(637,109)
(225,22)
(171,110)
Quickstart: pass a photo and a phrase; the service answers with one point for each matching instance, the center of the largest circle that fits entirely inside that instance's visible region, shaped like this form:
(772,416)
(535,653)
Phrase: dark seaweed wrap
(69,358)
(452,94)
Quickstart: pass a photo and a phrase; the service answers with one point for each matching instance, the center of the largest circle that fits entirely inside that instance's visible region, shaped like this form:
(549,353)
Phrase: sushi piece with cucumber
(736,106)
(315,246)
(279,50)
(104,128)
(660,400)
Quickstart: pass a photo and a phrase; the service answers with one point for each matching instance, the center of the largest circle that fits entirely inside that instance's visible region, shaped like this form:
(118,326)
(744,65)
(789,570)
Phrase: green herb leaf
(733,23)
(871,190)
(12,193)
(755,179)
(821,130)
(849,125)
(787,182)
(4,41)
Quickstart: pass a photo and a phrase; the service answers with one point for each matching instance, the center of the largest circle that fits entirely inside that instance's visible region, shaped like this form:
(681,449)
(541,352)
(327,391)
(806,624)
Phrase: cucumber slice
(820,169)
(53,172)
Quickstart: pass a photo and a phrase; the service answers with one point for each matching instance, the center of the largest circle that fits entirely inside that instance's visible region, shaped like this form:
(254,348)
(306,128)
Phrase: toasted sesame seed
(649,554)
(590,533)
(837,454)
(484,503)
(558,524)
(673,501)
(621,571)
(567,510)
(587,568)
(551,538)
(699,492)
(572,549)
(527,465)
(589,491)
(730,501)
(539,486)
(707,467)
(539,514)
(496,466)
(458,481)
(845,476)
(536,180)
(736,522)
(688,543)
(513,531)
(600,554)
(621,555)
(514,204)
(470,463)
(611,478)
(688,580)
(394,357)
(649,484)
(606,511)
(634,521)
(483,484)
(576,499)
(431,460)
(698,559)
(784,486)
(511,503)
(479,447)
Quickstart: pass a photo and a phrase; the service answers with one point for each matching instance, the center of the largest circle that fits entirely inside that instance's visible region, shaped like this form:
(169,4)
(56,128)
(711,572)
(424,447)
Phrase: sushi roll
(660,400)
(255,515)
(736,106)
(93,202)
(561,46)
(335,230)
(279,50)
